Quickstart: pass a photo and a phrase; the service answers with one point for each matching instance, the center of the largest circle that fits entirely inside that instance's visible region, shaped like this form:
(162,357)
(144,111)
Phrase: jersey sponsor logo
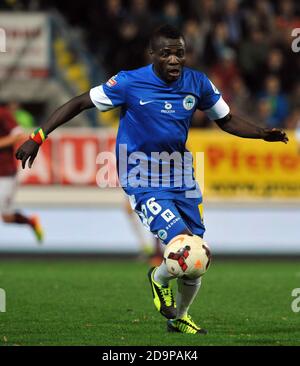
(112,81)
(168,108)
(147,102)
(189,102)
(168,227)
(167,215)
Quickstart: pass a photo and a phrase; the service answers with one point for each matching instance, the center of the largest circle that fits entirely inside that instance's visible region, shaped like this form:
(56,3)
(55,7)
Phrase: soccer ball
(187,256)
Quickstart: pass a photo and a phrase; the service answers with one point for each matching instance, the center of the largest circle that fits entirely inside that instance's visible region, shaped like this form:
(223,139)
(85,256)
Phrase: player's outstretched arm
(30,148)
(239,127)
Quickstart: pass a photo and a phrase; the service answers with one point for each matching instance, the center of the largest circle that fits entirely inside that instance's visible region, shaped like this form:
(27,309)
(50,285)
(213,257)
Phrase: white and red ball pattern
(187,256)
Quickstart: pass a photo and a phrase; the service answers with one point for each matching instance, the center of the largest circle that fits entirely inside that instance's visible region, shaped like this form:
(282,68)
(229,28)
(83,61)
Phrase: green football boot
(185,325)
(163,297)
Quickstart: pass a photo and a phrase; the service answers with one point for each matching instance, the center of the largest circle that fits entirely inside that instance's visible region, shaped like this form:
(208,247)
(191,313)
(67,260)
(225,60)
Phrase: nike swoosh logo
(143,103)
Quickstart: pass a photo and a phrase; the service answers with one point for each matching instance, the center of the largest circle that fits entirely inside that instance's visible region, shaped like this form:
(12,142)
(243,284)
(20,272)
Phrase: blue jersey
(154,123)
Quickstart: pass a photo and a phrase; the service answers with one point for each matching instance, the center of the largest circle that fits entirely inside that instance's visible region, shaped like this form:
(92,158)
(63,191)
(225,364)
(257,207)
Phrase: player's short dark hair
(166,31)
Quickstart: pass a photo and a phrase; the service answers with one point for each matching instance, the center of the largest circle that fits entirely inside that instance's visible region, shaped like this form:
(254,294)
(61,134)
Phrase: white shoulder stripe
(218,110)
(100,99)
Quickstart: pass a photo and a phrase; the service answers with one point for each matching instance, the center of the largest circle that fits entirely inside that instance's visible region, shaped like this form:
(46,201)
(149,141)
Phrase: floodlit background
(56,50)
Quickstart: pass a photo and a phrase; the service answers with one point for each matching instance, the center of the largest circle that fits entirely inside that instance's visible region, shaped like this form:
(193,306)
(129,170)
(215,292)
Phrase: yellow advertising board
(245,168)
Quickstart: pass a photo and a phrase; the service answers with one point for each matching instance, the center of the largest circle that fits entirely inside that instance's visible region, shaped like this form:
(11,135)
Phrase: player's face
(168,58)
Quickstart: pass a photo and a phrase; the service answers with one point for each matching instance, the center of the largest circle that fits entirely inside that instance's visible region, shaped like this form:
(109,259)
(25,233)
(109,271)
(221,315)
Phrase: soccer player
(157,104)
(10,134)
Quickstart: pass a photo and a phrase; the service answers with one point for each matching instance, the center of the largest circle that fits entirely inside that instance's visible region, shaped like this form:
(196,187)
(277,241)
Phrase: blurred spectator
(104,32)
(260,16)
(226,70)
(216,43)
(233,19)
(139,14)
(275,65)
(194,37)
(240,99)
(253,53)
(205,10)
(171,14)
(287,15)
(277,101)
(264,112)
(126,51)
(114,12)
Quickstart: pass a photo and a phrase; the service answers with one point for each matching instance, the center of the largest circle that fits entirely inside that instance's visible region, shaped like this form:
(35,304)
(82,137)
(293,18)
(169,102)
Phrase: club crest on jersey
(112,81)
(189,102)
(162,234)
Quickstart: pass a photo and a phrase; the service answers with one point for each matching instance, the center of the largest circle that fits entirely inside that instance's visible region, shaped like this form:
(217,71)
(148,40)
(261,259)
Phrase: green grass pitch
(77,302)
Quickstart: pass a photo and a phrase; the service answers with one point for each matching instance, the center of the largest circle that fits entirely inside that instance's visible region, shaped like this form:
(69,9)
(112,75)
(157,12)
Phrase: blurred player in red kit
(10,134)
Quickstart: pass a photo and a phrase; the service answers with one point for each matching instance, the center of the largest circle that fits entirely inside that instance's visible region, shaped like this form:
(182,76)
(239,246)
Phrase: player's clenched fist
(27,151)
(30,148)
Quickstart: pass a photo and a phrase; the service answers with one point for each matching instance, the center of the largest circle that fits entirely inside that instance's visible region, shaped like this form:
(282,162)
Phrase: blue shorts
(167,216)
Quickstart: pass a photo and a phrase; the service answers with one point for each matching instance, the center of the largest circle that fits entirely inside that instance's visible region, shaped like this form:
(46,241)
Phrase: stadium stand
(246,42)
